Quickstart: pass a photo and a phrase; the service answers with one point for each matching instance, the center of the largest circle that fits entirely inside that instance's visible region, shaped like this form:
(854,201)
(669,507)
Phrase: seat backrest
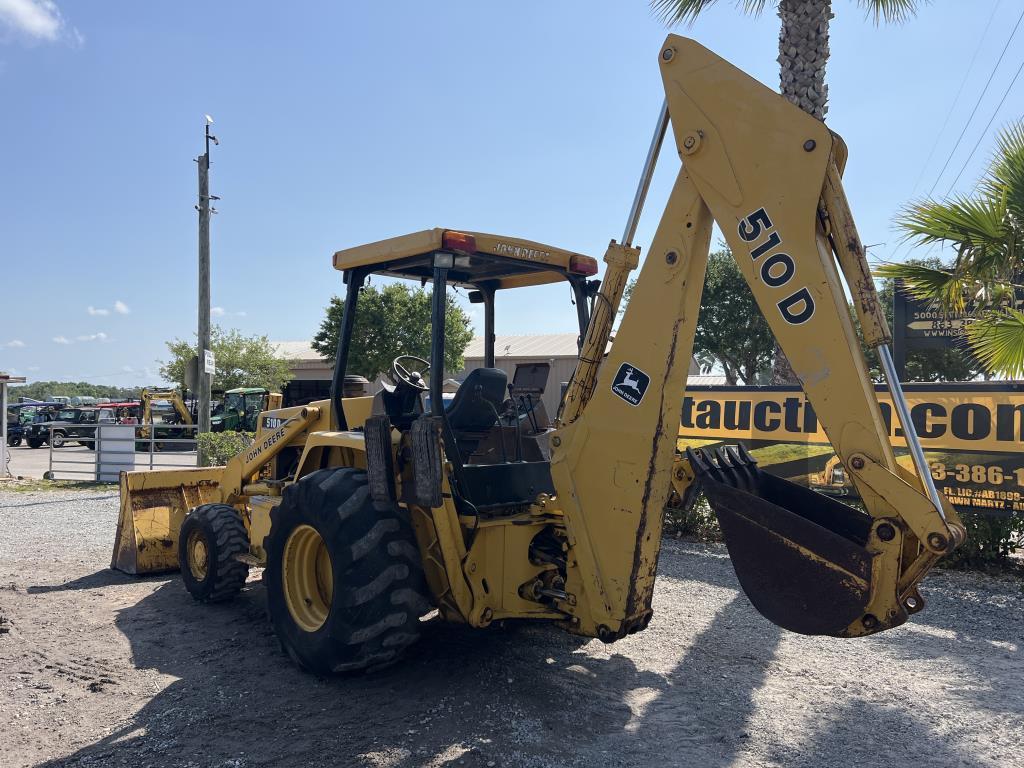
(475,405)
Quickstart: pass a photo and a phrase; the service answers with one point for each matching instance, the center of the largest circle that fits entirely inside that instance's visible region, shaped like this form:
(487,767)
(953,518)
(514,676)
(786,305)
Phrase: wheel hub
(308,578)
(198,556)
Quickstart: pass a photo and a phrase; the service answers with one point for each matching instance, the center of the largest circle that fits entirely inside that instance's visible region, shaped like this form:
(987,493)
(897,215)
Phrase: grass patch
(30,485)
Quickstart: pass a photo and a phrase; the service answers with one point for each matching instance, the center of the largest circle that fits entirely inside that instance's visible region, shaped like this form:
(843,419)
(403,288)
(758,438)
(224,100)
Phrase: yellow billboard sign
(973,435)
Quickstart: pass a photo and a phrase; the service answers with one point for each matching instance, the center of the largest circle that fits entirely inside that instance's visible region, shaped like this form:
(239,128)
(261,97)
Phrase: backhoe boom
(768,174)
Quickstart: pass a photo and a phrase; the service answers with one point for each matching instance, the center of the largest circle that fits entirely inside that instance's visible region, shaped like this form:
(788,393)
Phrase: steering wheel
(400,374)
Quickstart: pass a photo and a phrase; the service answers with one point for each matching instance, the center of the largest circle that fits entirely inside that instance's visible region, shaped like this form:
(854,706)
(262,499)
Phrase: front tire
(211,538)
(33,443)
(344,578)
(58,439)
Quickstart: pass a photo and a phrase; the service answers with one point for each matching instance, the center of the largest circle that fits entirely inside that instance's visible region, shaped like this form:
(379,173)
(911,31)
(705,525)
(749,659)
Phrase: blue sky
(343,123)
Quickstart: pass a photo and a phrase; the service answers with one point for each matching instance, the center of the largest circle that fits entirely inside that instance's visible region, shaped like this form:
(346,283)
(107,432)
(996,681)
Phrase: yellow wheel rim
(308,578)
(197,555)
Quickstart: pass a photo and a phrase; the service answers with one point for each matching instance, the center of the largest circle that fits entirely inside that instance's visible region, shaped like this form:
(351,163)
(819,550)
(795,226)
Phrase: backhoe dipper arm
(757,166)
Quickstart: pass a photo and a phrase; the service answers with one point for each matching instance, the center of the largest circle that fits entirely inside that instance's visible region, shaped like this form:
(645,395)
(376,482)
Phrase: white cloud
(37,20)
(61,340)
(93,310)
(127,368)
(14,344)
(121,308)
(33,367)
(92,337)
(217,311)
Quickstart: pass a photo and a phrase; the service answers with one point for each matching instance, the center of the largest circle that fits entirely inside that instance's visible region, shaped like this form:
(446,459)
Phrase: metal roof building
(304,361)
(559,350)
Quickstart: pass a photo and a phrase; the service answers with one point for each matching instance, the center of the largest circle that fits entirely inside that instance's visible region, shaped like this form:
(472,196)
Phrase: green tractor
(241,409)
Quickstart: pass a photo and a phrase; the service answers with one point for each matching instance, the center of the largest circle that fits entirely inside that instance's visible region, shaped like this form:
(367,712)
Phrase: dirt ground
(98,669)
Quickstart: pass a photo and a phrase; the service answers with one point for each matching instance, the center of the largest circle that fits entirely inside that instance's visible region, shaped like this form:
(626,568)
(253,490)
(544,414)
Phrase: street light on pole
(206,361)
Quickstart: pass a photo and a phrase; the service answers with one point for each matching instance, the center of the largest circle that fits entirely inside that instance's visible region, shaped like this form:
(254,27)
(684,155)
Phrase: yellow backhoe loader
(368,512)
(182,415)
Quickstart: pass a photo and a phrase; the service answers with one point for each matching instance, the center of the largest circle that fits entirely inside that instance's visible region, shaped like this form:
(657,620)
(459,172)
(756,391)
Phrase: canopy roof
(482,260)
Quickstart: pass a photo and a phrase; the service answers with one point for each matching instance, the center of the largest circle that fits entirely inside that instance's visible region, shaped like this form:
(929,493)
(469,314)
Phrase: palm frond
(976,222)
(978,227)
(672,12)
(946,289)
(997,340)
(891,10)
(1005,174)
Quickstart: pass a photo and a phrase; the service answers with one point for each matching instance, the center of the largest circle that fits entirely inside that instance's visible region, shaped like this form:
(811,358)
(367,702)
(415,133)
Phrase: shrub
(992,540)
(217,448)
(698,521)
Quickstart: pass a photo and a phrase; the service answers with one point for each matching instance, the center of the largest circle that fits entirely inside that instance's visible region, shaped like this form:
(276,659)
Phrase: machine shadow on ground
(517,695)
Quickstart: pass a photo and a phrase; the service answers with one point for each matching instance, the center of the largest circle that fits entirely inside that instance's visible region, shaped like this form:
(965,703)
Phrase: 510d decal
(778,269)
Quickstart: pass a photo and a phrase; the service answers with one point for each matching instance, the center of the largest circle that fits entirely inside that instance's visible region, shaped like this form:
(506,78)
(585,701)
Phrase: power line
(978,103)
(987,126)
(956,99)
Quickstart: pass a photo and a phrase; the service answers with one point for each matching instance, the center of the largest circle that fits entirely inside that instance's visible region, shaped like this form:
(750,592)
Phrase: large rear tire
(345,584)
(211,538)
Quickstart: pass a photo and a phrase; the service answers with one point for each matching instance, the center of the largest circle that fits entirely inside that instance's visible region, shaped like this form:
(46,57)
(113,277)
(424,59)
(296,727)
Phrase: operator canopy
(479,259)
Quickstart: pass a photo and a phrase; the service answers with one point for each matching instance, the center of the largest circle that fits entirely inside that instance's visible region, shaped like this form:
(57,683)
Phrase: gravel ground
(99,669)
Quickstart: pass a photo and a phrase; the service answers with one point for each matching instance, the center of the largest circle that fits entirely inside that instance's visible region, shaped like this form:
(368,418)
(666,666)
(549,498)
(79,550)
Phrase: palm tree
(987,230)
(803,55)
(803,39)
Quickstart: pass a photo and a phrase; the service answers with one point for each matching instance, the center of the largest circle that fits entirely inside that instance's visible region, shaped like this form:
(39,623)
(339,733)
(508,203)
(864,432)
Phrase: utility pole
(204,378)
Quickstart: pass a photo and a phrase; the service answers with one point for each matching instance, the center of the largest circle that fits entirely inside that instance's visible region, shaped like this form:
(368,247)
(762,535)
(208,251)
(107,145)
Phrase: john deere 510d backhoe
(367,512)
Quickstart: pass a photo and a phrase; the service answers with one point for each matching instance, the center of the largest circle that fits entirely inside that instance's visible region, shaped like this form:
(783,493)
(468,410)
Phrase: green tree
(730,327)
(391,321)
(987,230)
(731,331)
(952,364)
(803,57)
(43,390)
(242,361)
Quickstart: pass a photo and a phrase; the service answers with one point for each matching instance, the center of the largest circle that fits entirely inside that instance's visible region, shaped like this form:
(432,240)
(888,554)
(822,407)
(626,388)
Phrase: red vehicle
(126,412)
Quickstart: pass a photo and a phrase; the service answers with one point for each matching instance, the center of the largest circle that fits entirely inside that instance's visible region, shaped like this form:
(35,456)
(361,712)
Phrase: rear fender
(332,449)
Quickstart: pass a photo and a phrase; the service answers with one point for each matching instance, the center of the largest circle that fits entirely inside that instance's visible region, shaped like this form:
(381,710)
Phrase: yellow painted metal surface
(757,166)
(154,503)
(153,506)
(529,253)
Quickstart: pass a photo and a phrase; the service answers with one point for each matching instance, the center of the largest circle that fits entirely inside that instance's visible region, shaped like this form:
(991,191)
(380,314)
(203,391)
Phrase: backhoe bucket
(153,506)
(800,556)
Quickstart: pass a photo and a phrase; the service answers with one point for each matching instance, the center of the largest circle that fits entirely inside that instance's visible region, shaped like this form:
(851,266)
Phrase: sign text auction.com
(987,421)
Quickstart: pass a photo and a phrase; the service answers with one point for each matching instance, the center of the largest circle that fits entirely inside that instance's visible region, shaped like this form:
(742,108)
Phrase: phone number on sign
(977,473)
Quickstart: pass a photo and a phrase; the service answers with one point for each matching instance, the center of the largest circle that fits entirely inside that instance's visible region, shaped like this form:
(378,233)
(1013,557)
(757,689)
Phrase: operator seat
(478,401)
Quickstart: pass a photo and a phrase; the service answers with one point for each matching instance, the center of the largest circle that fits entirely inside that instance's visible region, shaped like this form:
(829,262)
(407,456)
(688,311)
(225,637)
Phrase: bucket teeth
(731,465)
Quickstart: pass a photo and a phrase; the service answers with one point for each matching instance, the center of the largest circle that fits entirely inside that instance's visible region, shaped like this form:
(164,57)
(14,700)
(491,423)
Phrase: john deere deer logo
(630,383)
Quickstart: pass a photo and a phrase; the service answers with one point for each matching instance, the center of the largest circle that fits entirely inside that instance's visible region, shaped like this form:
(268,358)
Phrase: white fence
(102,451)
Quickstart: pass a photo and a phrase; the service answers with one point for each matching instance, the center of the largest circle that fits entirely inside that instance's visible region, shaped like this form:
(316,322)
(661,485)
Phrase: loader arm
(154,504)
(769,175)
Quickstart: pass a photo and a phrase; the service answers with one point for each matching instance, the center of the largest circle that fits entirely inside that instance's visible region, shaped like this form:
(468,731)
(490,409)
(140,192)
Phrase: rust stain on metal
(642,535)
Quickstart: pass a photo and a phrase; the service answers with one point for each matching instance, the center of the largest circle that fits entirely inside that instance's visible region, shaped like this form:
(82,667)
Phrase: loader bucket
(153,506)
(799,555)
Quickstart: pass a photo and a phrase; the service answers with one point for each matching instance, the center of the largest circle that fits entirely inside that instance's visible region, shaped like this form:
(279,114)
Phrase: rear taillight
(458,241)
(582,265)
